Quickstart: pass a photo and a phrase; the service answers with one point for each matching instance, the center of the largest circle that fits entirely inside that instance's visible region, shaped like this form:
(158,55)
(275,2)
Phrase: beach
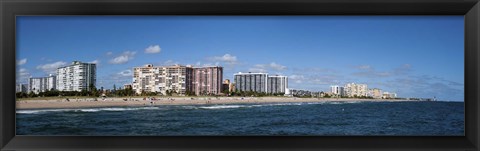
(62,103)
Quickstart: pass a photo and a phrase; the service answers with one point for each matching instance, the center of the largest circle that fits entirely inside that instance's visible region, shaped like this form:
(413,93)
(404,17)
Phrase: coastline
(73,103)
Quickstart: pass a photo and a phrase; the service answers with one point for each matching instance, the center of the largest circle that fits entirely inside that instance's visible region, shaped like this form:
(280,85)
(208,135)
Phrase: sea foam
(84,110)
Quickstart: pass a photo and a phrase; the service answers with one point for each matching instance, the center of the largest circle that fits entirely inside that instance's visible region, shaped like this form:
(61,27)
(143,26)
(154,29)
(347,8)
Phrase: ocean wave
(84,110)
(264,105)
(222,106)
(242,106)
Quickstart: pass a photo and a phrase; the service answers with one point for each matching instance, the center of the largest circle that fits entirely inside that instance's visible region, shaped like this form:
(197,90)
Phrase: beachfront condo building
(77,76)
(42,84)
(337,90)
(226,85)
(160,79)
(277,84)
(389,95)
(207,80)
(256,82)
(21,88)
(355,90)
(375,93)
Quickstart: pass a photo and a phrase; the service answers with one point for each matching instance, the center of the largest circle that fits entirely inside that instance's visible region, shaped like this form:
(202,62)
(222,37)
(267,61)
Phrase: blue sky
(414,56)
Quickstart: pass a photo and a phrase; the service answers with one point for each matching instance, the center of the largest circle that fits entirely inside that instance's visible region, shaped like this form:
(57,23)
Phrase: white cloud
(22,61)
(153,49)
(125,73)
(370,72)
(109,53)
(257,70)
(52,67)
(266,67)
(95,62)
(297,78)
(199,64)
(277,67)
(124,58)
(225,58)
(22,75)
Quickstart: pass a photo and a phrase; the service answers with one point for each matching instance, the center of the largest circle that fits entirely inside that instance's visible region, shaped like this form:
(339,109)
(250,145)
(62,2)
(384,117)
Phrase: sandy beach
(124,102)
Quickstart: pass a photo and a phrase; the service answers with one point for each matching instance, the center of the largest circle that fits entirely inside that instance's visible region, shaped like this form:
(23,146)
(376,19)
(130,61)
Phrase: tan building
(375,93)
(127,86)
(207,80)
(175,78)
(226,85)
(231,87)
(355,90)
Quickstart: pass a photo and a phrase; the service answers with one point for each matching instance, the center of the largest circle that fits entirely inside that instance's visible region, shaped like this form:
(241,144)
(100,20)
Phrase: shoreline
(61,103)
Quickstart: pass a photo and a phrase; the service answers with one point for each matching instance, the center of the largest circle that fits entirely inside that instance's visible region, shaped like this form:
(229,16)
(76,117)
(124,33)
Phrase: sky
(413,56)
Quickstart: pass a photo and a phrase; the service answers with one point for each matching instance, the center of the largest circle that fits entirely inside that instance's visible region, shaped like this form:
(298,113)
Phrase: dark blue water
(332,118)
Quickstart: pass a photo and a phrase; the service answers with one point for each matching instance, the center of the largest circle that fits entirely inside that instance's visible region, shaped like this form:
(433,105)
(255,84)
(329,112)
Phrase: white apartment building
(41,84)
(277,84)
(76,77)
(21,88)
(389,95)
(337,90)
(162,78)
(256,82)
(355,90)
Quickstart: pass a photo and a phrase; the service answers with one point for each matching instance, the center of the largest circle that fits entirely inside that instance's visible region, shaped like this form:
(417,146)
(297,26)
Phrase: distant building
(42,84)
(256,82)
(355,90)
(127,86)
(21,88)
(207,80)
(76,77)
(375,93)
(337,90)
(175,78)
(299,93)
(277,84)
(226,85)
(231,87)
(389,95)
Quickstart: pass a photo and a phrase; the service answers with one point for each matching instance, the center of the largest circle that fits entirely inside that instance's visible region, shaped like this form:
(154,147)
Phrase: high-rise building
(375,93)
(176,78)
(42,84)
(337,90)
(389,95)
(256,82)
(226,85)
(76,77)
(277,84)
(21,88)
(231,87)
(207,80)
(355,90)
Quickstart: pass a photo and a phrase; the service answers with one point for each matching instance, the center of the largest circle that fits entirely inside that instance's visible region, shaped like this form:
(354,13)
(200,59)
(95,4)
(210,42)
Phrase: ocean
(291,119)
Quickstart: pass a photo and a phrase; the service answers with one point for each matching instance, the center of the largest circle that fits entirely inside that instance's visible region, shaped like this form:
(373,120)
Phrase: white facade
(41,84)
(21,88)
(389,95)
(256,82)
(76,77)
(356,90)
(277,84)
(337,90)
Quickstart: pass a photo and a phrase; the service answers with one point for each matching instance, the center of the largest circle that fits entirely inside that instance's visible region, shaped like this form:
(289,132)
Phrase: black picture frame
(11,8)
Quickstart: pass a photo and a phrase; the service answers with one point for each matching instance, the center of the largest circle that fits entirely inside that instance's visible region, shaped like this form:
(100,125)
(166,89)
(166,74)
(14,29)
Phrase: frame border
(11,8)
